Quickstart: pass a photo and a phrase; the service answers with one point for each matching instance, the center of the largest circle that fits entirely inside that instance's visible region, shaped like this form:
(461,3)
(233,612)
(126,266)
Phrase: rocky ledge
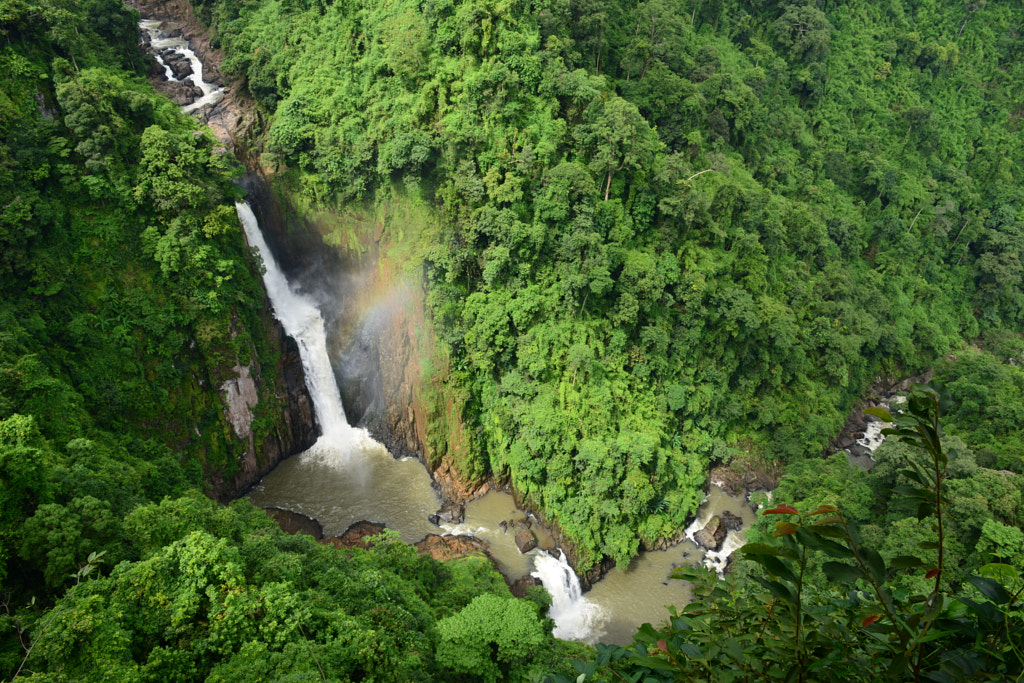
(451,547)
(438,547)
(296,523)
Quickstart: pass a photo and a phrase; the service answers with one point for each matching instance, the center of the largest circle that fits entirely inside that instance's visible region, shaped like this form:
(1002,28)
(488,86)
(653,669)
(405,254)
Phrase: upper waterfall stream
(159,41)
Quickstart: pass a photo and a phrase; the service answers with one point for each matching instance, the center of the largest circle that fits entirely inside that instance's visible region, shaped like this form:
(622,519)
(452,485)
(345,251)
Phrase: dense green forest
(127,293)
(661,235)
(664,233)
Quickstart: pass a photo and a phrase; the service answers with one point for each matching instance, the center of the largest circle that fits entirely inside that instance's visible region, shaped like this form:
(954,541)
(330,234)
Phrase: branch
(697,174)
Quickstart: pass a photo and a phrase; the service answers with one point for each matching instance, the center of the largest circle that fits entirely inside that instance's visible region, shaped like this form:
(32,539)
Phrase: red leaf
(663,646)
(783,529)
(870,620)
(823,509)
(782,509)
(932,574)
(829,520)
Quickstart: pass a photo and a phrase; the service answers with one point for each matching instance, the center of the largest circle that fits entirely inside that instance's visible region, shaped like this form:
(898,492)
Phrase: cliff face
(286,403)
(294,429)
(380,355)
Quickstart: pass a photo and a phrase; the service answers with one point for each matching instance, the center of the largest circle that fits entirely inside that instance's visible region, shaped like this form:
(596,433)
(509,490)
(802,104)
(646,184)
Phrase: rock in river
(525,540)
(712,535)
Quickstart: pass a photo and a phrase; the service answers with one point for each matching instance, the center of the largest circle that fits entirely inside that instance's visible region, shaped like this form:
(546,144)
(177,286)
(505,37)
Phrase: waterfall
(211,93)
(576,618)
(302,320)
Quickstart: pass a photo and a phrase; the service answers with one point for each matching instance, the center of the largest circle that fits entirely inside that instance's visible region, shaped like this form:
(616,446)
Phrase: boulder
(844,442)
(451,547)
(860,451)
(520,585)
(178,63)
(453,514)
(180,93)
(434,519)
(525,540)
(731,521)
(712,535)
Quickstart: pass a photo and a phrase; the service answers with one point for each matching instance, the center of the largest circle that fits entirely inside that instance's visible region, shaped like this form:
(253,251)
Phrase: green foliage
(862,626)
(989,393)
(490,638)
(660,232)
(229,594)
(59,537)
(659,224)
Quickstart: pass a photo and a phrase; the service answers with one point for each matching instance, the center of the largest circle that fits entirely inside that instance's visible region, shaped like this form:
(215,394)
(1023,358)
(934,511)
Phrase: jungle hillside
(664,234)
(658,236)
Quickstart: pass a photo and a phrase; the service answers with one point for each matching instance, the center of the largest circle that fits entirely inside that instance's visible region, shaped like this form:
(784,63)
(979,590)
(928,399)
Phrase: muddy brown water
(399,494)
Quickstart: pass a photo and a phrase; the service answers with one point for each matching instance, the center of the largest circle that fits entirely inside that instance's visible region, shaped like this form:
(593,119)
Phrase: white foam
(211,93)
(576,617)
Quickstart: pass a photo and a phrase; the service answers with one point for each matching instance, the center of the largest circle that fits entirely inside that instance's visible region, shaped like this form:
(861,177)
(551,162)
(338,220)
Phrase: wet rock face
(377,360)
(241,396)
(177,63)
(296,428)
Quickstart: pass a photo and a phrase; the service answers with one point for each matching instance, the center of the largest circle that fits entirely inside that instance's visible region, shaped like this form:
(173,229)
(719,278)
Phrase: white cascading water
(714,559)
(211,93)
(576,618)
(301,319)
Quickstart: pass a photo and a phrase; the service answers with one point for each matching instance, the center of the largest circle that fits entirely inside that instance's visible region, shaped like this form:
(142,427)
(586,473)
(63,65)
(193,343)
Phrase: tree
(490,638)
(805,31)
(59,538)
(614,136)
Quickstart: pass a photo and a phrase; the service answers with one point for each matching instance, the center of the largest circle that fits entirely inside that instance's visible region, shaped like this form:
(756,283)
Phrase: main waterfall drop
(302,320)
(346,476)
